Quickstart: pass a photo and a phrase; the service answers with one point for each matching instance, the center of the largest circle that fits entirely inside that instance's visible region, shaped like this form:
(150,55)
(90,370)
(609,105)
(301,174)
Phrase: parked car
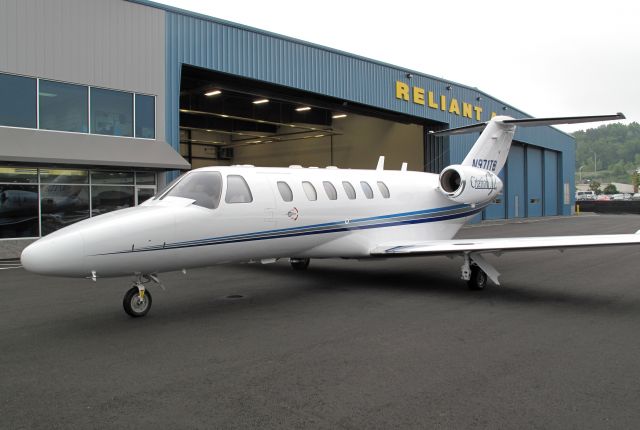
(585,195)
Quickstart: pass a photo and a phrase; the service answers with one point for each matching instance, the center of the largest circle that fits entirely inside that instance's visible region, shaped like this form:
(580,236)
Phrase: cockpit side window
(237,190)
(203,187)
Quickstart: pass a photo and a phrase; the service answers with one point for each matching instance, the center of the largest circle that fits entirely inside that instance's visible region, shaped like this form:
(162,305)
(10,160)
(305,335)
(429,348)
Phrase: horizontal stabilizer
(528,122)
(531,122)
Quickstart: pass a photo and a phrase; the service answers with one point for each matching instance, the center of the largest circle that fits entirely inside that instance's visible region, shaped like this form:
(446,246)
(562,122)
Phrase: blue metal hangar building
(103,101)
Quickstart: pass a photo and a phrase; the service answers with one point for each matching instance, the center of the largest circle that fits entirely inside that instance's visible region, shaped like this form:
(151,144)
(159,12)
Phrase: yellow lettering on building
(432,101)
(402,91)
(493,114)
(410,93)
(453,107)
(467,110)
(478,110)
(418,95)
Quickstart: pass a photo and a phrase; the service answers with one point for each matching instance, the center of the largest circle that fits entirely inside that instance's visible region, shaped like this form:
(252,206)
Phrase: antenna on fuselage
(380,165)
(403,168)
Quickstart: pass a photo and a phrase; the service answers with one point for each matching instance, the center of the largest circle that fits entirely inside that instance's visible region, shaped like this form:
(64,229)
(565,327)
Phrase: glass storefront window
(64,197)
(112,178)
(145,116)
(18,211)
(111,112)
(63,106)
(19,175)
(106,198)
(62,205)
(17,101)
(64,176)
(145,178)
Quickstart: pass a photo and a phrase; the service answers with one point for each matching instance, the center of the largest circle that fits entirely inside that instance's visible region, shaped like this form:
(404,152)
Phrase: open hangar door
(226,119)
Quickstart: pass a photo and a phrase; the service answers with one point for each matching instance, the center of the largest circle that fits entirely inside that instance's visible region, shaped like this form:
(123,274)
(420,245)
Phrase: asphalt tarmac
(388,344)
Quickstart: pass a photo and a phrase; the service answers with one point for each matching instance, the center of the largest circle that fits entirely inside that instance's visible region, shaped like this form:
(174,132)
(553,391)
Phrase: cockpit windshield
(203,187)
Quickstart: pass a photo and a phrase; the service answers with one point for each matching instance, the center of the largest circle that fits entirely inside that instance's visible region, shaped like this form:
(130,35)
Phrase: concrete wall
(362,141)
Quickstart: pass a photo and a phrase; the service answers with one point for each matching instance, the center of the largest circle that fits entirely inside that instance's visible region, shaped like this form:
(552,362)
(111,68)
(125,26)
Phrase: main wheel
(134,305)
(299,263)
(478,279)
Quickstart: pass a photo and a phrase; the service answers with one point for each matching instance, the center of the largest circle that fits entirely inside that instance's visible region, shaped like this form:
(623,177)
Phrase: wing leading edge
(499,245)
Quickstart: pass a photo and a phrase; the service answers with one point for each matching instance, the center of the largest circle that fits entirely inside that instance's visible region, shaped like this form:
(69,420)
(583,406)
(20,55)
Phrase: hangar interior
(227,119)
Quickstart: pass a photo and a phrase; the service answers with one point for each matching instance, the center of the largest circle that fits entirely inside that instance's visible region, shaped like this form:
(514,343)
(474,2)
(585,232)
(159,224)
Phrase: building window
(285,191)
(18,202)
(348,188)
(383,190)
(330,190)
(112,178)
(64,198)
(237,190)
(111,112)
(310,191)
(63,106)
(145,116)
(366,189)
(145,178)
(17,101)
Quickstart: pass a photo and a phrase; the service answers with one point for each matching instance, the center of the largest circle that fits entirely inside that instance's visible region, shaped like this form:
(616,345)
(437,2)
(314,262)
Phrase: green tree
(610,189)
(595,186)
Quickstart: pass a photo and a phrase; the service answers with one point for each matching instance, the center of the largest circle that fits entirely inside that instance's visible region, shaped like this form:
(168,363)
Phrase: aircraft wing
(500,245)
(472,249)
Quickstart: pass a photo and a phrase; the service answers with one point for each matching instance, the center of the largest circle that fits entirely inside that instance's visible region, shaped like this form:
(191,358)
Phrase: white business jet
(243,213)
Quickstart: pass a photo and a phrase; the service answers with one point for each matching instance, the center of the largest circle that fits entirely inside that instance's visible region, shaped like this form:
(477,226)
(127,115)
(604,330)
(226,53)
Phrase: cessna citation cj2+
(244,213)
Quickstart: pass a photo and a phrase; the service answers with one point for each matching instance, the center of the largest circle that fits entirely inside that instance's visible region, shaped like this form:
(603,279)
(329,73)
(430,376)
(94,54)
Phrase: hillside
(616,148)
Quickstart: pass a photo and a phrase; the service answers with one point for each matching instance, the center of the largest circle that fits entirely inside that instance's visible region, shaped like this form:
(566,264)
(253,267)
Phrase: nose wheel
(137,301)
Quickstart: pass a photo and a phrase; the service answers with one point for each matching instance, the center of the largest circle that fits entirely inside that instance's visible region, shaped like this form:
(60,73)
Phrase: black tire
(132,304)
(300,263)
(478,279)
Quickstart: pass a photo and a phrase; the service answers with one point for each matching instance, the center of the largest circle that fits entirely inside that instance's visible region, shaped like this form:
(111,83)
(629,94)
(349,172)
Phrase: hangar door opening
(226,119)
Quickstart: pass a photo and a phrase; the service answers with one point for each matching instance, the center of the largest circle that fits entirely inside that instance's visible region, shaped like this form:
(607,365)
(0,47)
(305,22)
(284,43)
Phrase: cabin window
(310,191)
(330,190)
(366,189)
(237,190)
(383,190)
(285,191)
(203,187)
(348,188)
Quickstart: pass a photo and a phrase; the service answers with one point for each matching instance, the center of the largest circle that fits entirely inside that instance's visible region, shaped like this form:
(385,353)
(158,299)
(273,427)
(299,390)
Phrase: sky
(546,58)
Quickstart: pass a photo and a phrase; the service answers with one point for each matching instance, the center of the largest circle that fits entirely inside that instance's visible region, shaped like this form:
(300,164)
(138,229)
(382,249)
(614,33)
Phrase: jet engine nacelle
(469,185)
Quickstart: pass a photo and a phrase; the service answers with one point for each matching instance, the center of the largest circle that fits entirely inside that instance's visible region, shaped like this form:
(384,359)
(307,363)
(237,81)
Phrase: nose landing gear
(137,301)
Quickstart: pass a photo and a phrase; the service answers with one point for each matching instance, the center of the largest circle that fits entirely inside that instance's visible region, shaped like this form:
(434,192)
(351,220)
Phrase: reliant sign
(429,99)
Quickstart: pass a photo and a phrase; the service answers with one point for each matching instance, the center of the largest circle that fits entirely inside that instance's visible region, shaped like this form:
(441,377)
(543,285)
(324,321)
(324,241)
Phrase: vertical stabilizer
(492,147)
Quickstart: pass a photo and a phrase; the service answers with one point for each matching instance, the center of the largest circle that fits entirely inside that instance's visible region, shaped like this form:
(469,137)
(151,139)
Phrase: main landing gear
(299,263)
(477,271)
(137,301)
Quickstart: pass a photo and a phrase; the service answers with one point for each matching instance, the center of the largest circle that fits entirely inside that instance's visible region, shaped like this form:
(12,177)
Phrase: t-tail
(475,180)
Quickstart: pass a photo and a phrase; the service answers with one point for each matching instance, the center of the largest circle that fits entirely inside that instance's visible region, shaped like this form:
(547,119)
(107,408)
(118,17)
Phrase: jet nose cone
(58,255)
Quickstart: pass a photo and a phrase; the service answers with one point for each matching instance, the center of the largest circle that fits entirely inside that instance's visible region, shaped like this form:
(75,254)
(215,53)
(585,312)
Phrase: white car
(585,195)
